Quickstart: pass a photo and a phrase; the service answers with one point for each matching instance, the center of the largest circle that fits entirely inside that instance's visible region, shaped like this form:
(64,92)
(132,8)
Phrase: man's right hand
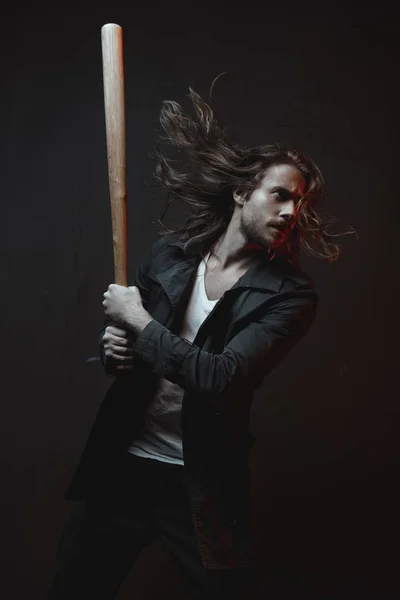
(118,348)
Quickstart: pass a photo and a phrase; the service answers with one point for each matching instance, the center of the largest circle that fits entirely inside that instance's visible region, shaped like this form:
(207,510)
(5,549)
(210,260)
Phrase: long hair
(215,167)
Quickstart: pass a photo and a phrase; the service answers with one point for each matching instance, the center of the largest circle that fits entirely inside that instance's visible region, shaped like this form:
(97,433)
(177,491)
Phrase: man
(218,305)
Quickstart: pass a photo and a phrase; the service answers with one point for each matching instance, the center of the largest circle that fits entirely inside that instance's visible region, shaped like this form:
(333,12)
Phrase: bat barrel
(114,106)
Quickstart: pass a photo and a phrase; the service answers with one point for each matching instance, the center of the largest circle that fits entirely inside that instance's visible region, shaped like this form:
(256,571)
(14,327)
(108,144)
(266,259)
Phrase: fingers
(118,352)
(119,342)
(116,331)
(118,347)
(117,337)
(122,352)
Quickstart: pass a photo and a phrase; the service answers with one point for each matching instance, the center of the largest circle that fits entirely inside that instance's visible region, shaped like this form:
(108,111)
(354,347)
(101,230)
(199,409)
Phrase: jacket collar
(264,273)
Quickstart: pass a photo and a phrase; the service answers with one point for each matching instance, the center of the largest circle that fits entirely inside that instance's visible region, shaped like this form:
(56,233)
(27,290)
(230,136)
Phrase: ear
(239,196)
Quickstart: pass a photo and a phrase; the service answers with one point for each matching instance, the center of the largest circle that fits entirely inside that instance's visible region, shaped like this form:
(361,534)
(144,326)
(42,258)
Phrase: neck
(233,251)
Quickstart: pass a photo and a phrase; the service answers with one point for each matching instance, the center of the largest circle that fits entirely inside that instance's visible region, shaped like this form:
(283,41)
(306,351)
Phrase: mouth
(283,230)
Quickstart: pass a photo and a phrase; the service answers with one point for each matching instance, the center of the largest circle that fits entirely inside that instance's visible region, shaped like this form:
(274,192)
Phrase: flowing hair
(215,167)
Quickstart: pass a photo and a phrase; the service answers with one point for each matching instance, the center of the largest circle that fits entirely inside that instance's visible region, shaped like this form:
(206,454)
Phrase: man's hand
(122,302)
(118,344)
(123,305)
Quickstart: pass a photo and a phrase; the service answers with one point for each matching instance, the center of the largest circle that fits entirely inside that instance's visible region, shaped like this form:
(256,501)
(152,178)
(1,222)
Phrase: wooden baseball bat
(114,106)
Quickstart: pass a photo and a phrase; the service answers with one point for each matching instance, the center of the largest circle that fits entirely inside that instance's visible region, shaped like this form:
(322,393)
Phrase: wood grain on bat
(114,105)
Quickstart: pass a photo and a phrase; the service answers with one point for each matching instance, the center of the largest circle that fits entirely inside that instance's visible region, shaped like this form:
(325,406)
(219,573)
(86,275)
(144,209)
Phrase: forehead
(286,176)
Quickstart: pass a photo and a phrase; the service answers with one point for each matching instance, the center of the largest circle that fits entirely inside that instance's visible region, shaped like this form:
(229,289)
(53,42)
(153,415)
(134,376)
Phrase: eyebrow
(285,192)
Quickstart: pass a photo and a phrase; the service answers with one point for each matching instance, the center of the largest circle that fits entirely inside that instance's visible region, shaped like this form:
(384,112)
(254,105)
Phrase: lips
(281,229)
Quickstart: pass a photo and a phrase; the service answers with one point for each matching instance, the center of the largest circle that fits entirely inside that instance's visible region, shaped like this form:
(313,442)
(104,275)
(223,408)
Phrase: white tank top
(161,435)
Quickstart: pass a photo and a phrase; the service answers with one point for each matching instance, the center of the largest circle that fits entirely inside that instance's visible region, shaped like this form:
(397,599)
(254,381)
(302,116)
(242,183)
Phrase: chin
(256,245)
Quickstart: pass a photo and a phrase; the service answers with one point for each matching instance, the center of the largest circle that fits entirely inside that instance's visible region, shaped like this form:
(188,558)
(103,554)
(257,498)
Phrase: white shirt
(161,435)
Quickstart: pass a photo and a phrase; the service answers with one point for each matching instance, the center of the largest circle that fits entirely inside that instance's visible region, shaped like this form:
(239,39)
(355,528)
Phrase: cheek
(268,212)
(259,207)
(259,210)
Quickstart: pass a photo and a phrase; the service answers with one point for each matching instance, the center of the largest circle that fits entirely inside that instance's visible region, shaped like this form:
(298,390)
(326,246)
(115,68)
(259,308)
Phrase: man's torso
(217,281)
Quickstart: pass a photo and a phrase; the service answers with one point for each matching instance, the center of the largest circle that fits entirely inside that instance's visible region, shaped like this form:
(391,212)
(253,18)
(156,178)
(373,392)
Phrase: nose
(288,211)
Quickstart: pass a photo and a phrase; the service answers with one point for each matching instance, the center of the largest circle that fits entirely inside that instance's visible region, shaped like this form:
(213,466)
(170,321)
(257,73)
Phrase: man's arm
(143,283)
(251,354)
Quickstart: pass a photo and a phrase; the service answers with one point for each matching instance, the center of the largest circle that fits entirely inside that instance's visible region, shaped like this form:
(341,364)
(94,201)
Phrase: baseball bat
(114,107)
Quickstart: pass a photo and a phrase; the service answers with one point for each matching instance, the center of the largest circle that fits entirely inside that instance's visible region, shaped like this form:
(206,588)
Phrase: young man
(218,305)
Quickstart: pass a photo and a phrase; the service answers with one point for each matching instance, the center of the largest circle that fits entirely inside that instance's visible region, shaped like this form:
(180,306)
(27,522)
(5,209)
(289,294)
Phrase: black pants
(103,538)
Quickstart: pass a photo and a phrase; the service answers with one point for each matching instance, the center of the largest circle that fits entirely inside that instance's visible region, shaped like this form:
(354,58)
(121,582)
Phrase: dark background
(321,77)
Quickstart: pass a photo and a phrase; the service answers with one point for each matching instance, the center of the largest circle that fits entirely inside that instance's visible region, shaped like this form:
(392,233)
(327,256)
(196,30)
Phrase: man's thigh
(101,540)
(174,523)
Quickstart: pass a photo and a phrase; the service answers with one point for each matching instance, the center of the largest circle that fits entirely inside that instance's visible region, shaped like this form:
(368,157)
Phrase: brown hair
(215,167)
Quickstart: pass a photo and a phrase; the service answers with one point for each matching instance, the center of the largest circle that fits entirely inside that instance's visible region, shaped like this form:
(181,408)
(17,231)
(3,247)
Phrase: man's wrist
(138,322)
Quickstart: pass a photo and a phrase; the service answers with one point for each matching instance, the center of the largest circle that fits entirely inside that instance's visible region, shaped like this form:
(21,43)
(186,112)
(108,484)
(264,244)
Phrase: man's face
(267,217)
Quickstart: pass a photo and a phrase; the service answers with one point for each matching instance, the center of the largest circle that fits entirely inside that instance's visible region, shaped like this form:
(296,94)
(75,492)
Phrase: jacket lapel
(178,280)
(263,279)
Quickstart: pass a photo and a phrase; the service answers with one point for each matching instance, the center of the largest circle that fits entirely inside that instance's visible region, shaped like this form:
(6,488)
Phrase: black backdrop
(321,77)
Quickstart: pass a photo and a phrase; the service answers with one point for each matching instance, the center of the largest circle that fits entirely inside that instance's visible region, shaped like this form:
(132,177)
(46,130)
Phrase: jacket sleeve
(250,355)
(143,283)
